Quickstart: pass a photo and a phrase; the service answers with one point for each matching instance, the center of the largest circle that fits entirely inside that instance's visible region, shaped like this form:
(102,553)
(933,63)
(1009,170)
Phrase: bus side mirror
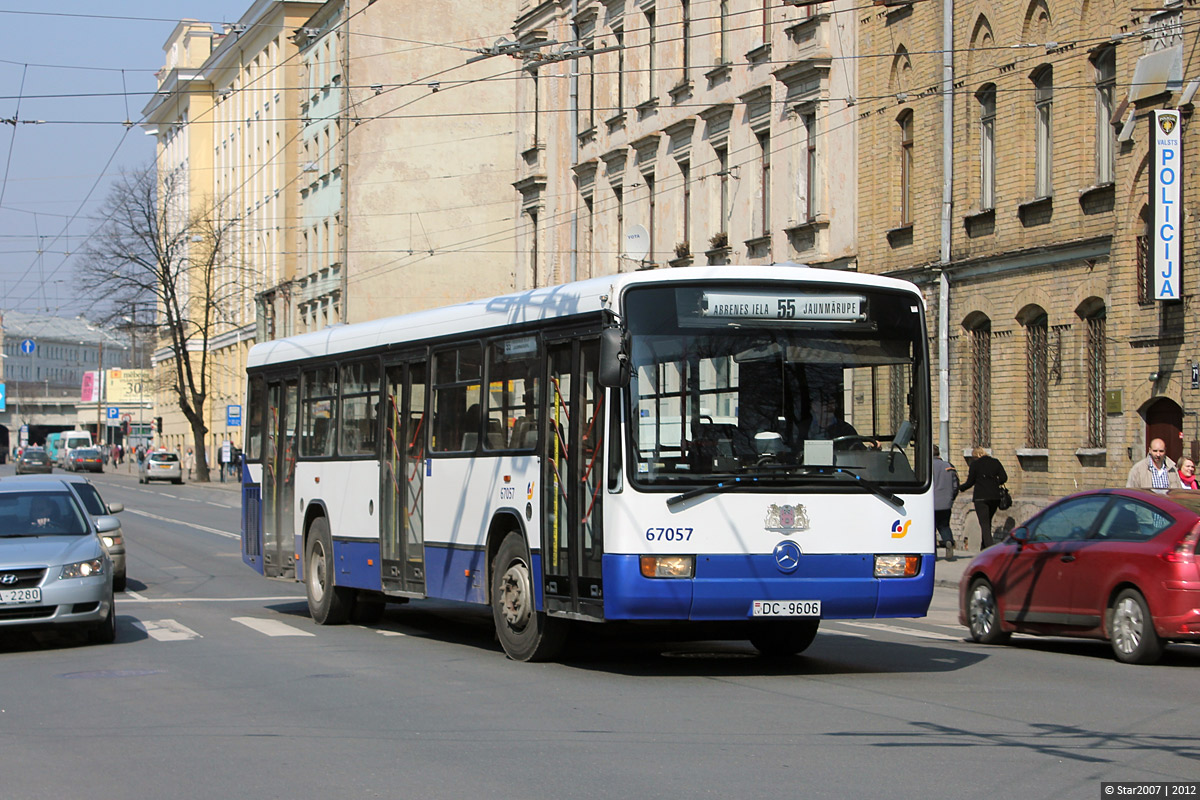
(614,358)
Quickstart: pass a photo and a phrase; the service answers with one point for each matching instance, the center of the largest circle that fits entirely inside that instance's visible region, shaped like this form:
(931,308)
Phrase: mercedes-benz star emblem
(787,556)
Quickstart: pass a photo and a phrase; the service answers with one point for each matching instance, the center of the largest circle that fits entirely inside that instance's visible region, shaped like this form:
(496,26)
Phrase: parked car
(1116,564)
(160,465)
(53,570)
(85,459)
(89,496)
(35,461)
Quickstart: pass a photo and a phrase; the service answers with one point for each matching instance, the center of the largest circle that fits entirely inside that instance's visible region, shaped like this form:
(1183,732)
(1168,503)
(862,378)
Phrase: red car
(1116,564)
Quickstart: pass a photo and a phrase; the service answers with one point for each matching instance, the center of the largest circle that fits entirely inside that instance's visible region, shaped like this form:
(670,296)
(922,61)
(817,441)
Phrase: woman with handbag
(987,477)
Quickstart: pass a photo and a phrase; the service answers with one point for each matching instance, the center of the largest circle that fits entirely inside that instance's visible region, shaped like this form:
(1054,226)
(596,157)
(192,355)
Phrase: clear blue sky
(84,68)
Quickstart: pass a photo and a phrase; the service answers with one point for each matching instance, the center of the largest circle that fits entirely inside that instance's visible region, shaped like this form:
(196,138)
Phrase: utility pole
(99,388)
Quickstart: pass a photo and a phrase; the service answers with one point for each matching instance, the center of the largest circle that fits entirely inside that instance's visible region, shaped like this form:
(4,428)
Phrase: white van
(70,440)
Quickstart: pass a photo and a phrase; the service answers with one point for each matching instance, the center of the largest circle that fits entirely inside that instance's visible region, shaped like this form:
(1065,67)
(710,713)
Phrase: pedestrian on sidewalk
(945,489)
(1187,473)
(1155,471)
(986,475)
(189,462)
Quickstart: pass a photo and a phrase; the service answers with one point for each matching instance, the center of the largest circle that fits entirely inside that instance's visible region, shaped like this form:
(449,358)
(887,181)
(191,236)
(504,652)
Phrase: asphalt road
(219,685)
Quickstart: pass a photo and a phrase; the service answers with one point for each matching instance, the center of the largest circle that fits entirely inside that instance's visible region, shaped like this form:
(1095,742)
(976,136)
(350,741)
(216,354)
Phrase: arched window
(1043,103)
(979,333)
(905,122)
(1037,376)
(1105,65)
(987,146)
(1094,316)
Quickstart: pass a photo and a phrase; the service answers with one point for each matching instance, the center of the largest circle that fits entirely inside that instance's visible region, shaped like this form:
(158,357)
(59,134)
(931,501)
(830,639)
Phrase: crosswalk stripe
(166,630)
(922,634)
(204,528)
(271,627)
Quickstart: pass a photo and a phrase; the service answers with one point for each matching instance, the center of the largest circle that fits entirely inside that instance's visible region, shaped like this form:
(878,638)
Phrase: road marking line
(166,630)
(137,598)
(835,632)
(204,528)
(878,626)
(271,627)
(391,633)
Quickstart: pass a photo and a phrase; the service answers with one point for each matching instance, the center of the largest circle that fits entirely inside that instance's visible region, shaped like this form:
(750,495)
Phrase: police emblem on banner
(1166,122)
(782,519)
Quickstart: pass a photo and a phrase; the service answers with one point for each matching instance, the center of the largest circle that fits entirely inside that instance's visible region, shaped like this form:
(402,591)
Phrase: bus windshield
(785,384)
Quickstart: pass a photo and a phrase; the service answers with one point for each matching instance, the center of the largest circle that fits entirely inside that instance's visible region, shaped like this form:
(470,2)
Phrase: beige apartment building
(655,133)
(1056,356)
(227,115)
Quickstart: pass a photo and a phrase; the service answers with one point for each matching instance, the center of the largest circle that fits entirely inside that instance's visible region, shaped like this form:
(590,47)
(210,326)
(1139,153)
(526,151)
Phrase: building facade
(1054,356)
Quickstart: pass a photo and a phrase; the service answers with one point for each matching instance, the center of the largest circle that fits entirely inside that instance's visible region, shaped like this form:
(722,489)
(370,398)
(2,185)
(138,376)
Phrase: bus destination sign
(774,305)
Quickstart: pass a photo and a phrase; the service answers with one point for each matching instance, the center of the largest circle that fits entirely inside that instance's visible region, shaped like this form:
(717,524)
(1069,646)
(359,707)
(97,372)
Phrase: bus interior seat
(524,434)
(495,434)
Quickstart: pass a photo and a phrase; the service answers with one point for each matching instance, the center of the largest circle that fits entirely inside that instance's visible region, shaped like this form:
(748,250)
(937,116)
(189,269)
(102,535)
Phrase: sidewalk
(947,573)
(129,471)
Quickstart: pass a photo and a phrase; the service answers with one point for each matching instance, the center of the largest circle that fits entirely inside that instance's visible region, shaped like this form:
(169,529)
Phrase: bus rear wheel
(778,638)
(525,633)
(328,603)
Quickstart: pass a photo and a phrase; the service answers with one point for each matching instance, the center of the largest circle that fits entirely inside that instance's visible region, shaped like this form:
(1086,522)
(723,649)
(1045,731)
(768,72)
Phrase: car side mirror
(613,370)
(116,508)
(107,524)
(1019,535)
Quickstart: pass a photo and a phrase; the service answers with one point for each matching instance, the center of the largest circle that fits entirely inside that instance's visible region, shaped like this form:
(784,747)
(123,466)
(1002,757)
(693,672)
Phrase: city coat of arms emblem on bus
(786,518)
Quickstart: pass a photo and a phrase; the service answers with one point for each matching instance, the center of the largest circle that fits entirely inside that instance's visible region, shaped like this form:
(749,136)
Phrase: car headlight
(111,539)
(897,566)
(668,566)
(83,569)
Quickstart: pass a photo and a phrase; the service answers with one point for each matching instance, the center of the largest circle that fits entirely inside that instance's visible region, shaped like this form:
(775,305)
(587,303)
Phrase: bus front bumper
(726,586)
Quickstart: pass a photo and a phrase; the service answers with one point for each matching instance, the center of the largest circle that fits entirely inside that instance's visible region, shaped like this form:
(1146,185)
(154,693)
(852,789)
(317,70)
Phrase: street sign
(28,346)
(233,416)
(114,412)
(3,397)
(24,436)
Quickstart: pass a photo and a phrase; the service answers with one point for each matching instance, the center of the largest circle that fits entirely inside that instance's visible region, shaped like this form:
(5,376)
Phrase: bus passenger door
(572,480)
(402,476)
(279,479)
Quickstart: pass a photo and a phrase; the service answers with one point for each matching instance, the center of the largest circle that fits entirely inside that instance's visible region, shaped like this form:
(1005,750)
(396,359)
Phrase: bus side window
(512,369)
(457,376)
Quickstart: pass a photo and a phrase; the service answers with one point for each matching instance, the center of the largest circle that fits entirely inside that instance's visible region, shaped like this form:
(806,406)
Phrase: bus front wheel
(328,603)
(525,633)
(778,638)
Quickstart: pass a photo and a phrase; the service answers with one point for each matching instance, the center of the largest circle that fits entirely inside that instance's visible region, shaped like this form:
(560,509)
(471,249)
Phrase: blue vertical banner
(3,397)
(1166,156)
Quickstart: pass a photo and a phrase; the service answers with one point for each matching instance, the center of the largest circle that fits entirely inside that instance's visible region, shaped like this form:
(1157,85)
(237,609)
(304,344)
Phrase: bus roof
(534,305)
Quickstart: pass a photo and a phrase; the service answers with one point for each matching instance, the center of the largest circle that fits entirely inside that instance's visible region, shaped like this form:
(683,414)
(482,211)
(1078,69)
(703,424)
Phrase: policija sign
(1166,229)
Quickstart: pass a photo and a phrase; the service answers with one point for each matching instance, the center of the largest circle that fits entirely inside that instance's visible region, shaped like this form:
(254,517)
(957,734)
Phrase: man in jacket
(945,489)
(1155,471)
(986,475)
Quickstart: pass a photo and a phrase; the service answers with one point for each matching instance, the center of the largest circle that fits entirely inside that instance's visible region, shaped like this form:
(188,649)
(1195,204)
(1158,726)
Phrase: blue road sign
(28,346)
(114,412)
(233,416)
(3,397)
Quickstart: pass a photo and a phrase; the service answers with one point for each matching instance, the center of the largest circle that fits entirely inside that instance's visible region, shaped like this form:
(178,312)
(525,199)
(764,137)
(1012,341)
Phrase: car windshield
(788,384)
(35,457)
(40,514)
(167,458)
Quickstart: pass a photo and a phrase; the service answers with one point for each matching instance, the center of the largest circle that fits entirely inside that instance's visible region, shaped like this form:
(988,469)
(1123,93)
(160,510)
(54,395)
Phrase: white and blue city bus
(736,451)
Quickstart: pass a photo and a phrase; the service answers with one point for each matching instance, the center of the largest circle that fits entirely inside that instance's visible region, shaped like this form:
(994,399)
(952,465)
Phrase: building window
(1105,64)
(810,165)
(1096,331)
(686,59)
(619,199)
(906,166)
(723,32)
(589,233)
(980,334)
(987,147)
(653,202)
(1043,83)
(1145,281)
(685,174)
(1037,381)
(651,65)
(766,21)
(533,248)
(619,36)
(764,182)
(723,174)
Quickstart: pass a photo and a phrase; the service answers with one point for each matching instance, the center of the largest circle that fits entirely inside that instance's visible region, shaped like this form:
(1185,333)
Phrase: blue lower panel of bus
(725,588)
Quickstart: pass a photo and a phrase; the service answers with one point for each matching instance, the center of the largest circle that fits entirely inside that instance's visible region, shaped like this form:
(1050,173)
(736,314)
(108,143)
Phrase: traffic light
(158,424)
(124,427)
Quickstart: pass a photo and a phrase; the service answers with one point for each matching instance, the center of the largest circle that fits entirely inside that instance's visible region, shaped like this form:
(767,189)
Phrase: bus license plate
(17,596)
(787,608)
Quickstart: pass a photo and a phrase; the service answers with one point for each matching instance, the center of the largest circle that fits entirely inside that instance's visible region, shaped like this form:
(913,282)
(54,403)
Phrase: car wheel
(119,581)
(525,633)
(176,481)
(328,604)
(1131,630)
(777,638)
(983,615)
(105,631)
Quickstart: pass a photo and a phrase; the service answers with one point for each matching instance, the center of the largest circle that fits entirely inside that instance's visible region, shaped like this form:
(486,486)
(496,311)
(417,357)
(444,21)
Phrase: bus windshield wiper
(846,473)
(730,482)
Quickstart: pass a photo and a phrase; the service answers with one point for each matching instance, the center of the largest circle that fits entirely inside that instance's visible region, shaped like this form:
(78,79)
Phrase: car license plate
(17,596)
(787,608)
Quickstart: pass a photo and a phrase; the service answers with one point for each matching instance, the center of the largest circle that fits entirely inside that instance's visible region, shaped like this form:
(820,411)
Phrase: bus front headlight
(668,566)
(897,566)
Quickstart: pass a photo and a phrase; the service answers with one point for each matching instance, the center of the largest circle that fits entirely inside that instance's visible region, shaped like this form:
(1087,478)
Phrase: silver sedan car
(53,570)
(160,465)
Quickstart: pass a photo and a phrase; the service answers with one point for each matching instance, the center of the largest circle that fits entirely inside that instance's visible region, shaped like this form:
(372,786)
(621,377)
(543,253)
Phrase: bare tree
(153,249)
